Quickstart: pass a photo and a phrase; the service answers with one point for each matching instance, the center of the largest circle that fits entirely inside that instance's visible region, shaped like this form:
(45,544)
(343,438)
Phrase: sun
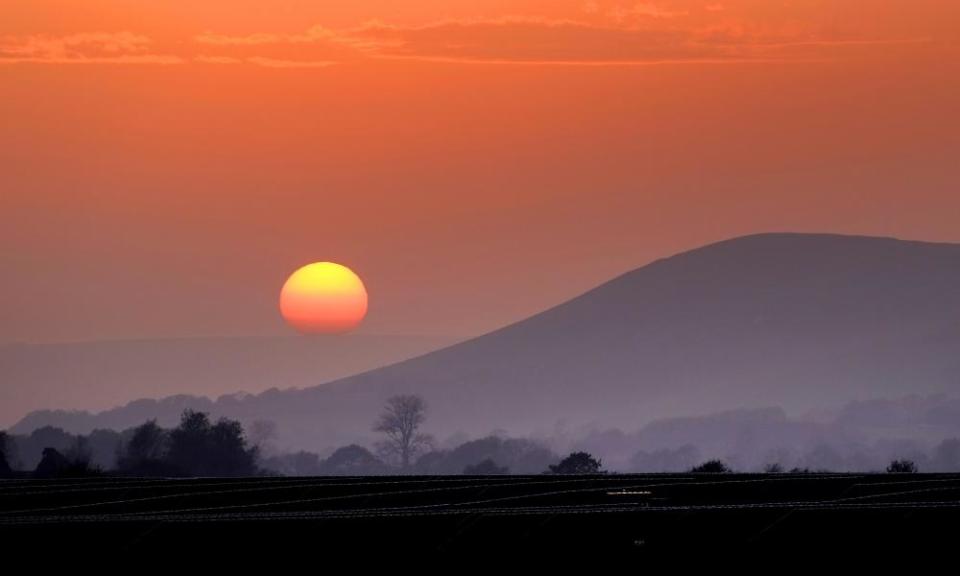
(323,298)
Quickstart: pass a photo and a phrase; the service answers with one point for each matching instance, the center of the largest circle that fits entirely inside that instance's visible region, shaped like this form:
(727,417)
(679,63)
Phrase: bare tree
(400,421)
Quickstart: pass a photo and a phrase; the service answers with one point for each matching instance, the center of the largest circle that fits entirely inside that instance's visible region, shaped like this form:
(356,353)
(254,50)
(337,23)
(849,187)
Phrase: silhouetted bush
(711,467)
(902,467)
(485,468)
(774,468)
(576,463)
(53,464)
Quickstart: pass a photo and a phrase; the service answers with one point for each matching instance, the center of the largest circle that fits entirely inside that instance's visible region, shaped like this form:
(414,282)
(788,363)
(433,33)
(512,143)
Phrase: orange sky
(164,166)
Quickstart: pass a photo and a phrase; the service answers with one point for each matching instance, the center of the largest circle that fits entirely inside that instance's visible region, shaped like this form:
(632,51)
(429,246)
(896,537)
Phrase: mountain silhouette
(800,321)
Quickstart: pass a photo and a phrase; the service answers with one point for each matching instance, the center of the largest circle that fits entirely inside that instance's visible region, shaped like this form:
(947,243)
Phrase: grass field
(625,513)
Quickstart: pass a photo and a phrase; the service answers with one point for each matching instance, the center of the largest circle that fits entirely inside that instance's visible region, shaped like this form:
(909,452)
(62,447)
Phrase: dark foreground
(627,513)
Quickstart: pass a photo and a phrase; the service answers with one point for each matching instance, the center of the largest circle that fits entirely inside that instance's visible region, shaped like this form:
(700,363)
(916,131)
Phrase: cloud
(84,48)
(510,40)
(664,37)
(645,33)
(533,41)
(316,47)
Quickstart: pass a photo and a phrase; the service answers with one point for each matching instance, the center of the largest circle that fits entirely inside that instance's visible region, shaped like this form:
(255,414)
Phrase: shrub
(576,463)
(902,467)
(711,467)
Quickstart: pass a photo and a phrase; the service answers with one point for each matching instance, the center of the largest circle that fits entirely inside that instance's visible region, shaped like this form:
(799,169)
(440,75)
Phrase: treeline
(490,455)
(201,447)
(196,447)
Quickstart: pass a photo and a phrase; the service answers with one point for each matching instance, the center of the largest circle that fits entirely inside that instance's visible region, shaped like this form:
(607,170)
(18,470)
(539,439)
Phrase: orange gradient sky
(165,165)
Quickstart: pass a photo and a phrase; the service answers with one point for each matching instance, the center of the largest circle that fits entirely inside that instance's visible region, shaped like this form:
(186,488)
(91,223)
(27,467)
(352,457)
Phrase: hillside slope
(793,320)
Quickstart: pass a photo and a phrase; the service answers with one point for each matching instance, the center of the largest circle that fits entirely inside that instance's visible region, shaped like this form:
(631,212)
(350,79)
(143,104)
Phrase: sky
(165,165)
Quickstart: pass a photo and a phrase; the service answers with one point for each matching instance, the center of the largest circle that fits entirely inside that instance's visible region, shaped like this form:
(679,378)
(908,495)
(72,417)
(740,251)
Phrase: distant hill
(106,373)
(800,321)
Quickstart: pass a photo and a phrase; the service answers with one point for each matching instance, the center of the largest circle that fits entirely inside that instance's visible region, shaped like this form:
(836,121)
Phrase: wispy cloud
(525,40)
(85,48)
(609,34)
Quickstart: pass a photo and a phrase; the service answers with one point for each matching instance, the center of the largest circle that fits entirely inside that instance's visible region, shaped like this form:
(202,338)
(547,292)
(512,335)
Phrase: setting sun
(323,297)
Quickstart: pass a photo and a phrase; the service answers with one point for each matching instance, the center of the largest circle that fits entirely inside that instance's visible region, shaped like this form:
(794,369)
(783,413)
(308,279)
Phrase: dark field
(627,513)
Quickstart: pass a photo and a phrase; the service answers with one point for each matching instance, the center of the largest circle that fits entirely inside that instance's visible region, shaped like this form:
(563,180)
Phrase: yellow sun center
(323,297)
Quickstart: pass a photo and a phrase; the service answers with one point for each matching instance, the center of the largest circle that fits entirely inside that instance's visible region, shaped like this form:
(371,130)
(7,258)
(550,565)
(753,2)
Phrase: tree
(146,450)
(229,454)
(52,464)
(189,443)
(711,467)
(577,463)
(902,467)
(5,445)
(400,421)
(199,448)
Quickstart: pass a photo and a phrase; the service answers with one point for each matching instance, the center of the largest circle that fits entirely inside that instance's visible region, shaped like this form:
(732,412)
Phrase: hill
(800,321)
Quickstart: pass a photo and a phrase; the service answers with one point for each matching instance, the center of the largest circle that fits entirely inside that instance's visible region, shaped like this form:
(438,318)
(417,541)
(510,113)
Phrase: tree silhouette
(577,463)
(5,449)
(145,453)
(229,454)
(902,467)
(52,464)
(399,421)
(711,467)
(189,443)
(198,448)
